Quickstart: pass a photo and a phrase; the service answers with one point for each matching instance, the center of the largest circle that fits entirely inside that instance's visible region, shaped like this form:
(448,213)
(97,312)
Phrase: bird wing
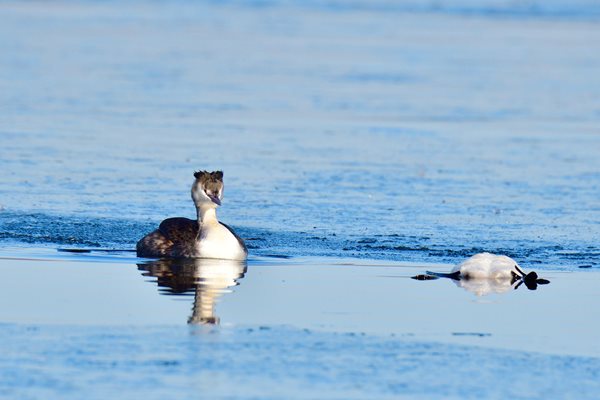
(179,230)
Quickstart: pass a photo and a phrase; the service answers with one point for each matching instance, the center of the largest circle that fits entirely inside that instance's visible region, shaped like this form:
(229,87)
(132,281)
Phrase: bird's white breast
(216,241)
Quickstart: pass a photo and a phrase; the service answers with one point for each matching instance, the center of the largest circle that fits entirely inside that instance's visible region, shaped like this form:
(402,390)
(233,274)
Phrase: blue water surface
(344,129)
(413,132)
(255,363)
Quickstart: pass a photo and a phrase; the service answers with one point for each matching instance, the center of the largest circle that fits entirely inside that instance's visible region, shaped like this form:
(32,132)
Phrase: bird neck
(206,215)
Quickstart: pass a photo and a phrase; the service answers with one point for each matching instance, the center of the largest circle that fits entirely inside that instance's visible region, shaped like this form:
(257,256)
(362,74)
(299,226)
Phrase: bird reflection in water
(207,279)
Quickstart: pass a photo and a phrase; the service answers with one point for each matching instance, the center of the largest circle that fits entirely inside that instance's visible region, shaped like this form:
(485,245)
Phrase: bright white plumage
(486,273)
(487,266)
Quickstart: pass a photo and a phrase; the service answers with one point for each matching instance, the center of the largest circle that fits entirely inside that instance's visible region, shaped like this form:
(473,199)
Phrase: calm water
(406,135)
(325,294)
(301,328)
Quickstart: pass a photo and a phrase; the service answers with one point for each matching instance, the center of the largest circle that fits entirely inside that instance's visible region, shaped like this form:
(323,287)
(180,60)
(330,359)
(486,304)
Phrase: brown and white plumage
(205,237)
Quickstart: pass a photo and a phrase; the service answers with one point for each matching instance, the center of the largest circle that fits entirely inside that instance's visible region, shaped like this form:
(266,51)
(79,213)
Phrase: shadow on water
(206,279)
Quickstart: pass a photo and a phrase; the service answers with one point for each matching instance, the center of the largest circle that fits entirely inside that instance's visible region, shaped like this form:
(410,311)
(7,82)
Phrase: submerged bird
(485,273)
(204,238)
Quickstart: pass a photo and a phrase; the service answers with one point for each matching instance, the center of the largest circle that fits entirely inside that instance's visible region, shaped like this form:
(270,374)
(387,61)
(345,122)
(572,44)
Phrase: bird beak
(214,199)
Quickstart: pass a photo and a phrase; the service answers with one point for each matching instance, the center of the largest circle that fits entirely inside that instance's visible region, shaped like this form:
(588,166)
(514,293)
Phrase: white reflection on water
(207,279)
(483,287)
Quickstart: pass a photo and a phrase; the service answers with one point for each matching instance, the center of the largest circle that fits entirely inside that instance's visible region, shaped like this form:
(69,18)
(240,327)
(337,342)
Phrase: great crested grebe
(204,238)
(486,272)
